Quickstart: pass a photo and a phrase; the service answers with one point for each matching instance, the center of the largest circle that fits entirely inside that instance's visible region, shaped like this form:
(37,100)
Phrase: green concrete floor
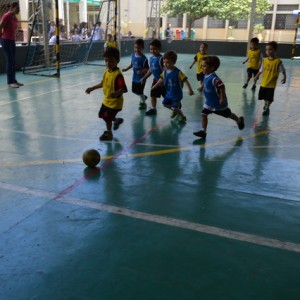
(165,216)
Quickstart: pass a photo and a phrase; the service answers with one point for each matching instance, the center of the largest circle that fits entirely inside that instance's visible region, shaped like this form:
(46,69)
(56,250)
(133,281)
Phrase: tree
(195,9)
(220,9)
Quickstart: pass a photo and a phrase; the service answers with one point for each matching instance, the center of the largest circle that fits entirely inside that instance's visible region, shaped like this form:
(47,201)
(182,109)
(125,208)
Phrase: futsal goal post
(57,39)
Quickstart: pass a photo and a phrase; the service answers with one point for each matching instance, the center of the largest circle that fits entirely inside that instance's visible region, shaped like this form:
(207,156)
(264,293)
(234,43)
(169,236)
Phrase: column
(83,11)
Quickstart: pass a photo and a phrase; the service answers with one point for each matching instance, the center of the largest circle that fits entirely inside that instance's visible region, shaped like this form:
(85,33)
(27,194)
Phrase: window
(198,23)
(239,24)
(175,21)
(214,23)
(285,21)
(287,7)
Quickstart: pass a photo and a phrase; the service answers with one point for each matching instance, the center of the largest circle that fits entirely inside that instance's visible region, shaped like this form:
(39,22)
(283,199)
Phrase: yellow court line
(158,152)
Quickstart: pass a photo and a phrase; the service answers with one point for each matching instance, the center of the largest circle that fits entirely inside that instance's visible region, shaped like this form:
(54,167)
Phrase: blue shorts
(172,103)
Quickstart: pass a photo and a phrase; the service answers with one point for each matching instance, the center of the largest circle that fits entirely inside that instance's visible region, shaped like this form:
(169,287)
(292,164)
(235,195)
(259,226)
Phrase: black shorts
(252,72)
(138,88)
(159,91)
(107,114)
(200,76)
(266,94)
(226,113)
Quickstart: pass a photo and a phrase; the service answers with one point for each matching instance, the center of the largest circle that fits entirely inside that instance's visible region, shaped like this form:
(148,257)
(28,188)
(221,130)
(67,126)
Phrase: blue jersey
(138,63)
(156,66)
(212,85)
(173,82)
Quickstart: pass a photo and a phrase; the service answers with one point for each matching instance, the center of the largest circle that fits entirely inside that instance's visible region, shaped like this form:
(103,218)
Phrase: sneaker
(151,111)
(173,114)
(117,123)
(13,85)
(200,134)
(241,123)
(20,84)
(253,87)
(106,136)
(245,85)
(181,119)
(266,111)
(142,105)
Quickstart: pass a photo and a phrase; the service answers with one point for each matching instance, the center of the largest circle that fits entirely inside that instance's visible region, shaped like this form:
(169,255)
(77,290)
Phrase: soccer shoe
(266,111)
(200,134)
(117,123)
(151,112)
(20,84)
(13,85)
(142,105)
(253,87)
(106,136)
(181,120)
(241,123)
(173,114)
(245,85)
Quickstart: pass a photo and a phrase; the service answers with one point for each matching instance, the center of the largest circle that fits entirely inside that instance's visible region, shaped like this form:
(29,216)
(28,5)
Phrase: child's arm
(188,85)
(222,94)
(117,93)
(282,69)
(245,60)
(192,64)
(158,83)
(126,69)
(95,87)
(147,75)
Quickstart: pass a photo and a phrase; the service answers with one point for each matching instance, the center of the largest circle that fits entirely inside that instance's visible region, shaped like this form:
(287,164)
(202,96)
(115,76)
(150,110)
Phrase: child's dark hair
(205,45)
(273,44)
(212,61)
(156,43)
(254,40)
(171,55)
(112,52)
(140,42)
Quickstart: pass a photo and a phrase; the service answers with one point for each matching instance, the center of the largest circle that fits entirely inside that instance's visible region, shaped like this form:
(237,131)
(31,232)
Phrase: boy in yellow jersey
(254,59)
(110,42)
(114,86)
(270,69)
(198,59)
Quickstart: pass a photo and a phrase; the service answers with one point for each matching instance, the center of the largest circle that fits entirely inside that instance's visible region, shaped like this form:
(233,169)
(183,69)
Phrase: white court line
(206,229)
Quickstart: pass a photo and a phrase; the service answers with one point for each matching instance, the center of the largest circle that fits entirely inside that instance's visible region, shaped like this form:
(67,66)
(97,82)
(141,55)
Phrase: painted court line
(178,223)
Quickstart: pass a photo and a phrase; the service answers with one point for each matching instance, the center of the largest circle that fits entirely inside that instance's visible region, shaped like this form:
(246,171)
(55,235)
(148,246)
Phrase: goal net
(59,39)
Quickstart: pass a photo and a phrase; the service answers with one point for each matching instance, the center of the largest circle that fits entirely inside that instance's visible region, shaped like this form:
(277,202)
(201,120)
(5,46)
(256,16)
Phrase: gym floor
(165,215)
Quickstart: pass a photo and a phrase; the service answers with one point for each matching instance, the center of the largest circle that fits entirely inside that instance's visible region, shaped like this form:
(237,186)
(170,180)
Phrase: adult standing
(8,27)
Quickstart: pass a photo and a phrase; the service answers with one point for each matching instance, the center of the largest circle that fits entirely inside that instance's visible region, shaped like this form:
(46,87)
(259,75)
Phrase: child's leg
(239,120)
(107,135)
(204,122)
(153,102)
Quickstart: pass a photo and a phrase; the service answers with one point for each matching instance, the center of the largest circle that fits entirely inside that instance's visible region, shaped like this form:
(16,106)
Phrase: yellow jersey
(270,72)
(254,59)
(113,81)
(199,58)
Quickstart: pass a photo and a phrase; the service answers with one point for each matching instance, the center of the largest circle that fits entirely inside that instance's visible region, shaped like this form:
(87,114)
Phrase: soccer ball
(91,158)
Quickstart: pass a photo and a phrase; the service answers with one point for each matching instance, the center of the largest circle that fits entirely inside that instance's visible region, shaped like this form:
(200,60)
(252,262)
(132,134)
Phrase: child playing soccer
(270,69)
(110,42)
(198,59)
(156,68)
(173,80)
(254,60)
(114,86)
(140,66)
(215,96)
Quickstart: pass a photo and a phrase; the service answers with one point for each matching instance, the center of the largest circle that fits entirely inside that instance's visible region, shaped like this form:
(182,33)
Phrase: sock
(143,98)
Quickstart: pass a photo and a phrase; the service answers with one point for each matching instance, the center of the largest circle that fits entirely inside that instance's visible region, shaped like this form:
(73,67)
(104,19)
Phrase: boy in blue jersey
(140,66)
(173,79)
(156,68)
(215,96)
